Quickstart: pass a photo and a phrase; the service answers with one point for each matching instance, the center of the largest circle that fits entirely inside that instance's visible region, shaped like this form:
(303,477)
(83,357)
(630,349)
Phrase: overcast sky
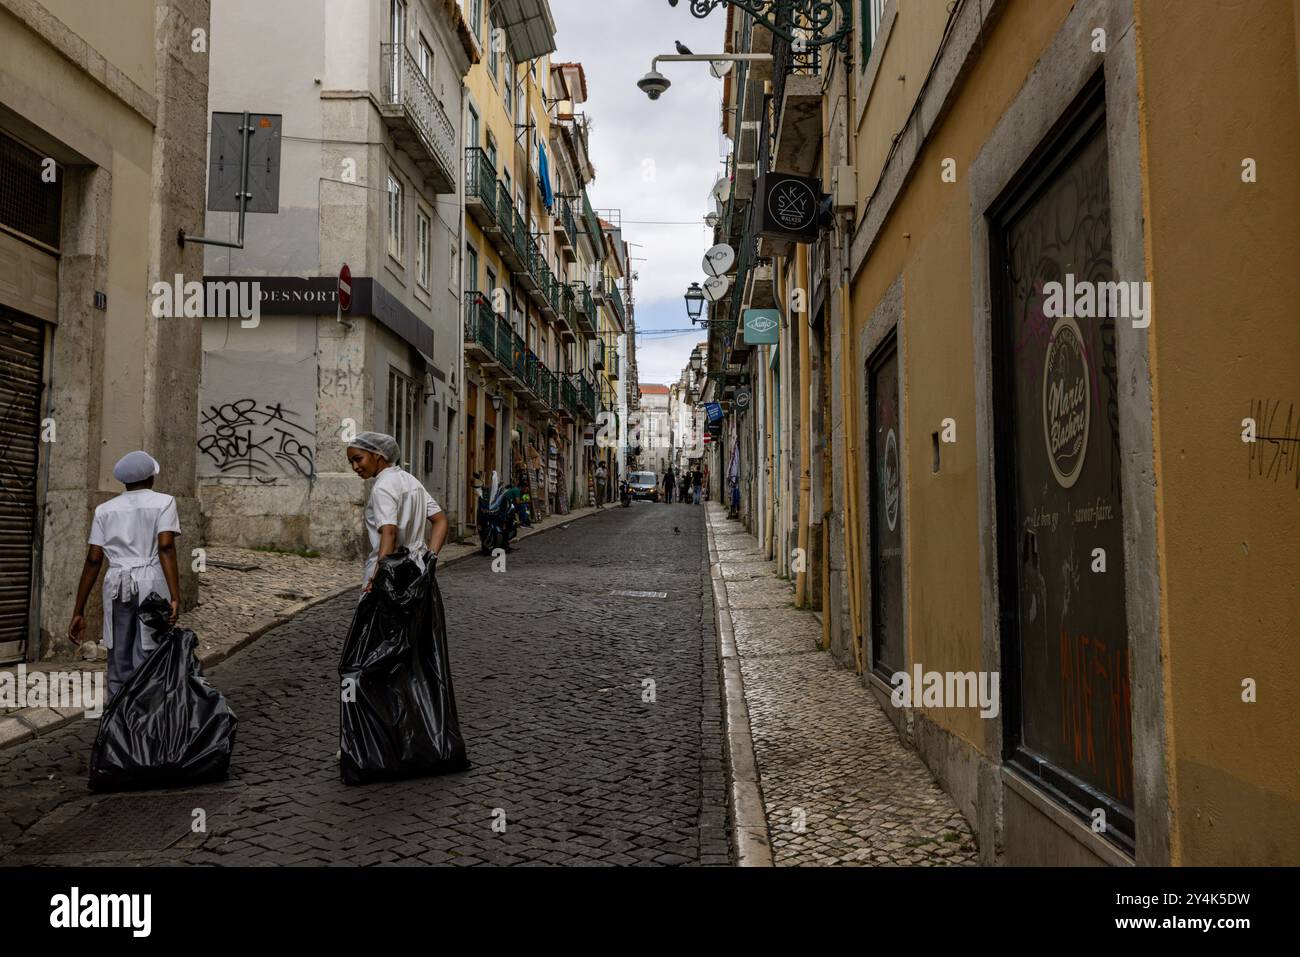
(655,161)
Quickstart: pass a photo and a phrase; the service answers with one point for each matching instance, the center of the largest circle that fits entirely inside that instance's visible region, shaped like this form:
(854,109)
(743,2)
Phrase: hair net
(377,442)
(135,467)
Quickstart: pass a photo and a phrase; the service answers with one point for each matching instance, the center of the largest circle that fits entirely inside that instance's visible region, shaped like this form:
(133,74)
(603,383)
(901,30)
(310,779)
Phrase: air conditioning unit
(844,188)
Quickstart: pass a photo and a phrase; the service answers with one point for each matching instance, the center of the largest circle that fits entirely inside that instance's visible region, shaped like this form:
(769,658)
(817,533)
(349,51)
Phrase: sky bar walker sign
(762,326)
(791,206)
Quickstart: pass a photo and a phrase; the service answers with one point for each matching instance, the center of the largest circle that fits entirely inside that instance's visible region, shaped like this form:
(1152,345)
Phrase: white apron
(131,583)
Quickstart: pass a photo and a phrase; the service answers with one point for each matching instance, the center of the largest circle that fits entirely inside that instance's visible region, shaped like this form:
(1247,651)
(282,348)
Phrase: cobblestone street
(552,672)
(838,785)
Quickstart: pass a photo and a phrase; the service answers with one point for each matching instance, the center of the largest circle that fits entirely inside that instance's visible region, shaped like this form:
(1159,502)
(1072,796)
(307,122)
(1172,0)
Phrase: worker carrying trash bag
(398,711)
(136,532)
(166,727)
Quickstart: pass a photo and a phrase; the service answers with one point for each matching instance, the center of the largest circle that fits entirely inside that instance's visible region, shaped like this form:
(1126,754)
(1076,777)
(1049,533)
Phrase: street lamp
(694,302)
(697,361)
(654,84)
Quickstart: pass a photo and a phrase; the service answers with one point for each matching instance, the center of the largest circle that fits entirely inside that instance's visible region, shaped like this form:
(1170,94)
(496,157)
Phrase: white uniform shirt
(126,528)
(398,498)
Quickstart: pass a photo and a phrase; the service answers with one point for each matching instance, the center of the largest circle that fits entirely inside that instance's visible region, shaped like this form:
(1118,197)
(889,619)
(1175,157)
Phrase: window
(395,248)
(508,88)
(422,248)
(492,152)
(397,37)
(476,17)
(425,60)
(404,416)
(872,12)
(491,287)
(471,134)
(471,269)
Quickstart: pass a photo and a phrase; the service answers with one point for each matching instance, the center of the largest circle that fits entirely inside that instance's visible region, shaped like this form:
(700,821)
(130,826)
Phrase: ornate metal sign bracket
(800,22)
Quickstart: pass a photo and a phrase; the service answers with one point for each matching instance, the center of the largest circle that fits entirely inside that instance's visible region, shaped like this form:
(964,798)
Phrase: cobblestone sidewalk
(236,605)
(839,786)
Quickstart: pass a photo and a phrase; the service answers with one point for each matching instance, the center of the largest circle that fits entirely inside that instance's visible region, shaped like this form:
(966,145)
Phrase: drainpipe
(805,427)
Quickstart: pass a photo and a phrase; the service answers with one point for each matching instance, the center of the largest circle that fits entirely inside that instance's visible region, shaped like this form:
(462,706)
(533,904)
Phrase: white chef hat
(376,442)
(135,467)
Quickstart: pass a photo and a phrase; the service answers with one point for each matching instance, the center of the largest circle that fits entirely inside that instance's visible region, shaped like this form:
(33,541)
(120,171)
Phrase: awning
(530,30)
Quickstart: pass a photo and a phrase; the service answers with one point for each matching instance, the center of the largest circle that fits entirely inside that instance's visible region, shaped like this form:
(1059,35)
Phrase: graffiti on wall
(257,416)
(1275,452)
(256,438)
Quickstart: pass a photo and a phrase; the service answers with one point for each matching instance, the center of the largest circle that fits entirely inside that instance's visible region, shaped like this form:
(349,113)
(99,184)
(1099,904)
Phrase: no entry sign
(345,288)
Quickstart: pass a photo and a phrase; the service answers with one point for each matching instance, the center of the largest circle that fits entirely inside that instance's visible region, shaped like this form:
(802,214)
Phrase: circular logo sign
(891,480)
(742,400)
(1066,399)
(792,205)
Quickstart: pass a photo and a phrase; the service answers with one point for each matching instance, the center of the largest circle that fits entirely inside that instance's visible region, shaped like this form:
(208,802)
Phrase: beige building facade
(102,157)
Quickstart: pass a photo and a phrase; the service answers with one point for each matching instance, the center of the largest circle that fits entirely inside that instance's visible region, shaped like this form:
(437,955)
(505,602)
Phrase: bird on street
(676,530)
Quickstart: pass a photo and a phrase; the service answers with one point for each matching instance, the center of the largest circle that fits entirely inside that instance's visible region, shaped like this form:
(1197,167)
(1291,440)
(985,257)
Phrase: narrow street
(551,666)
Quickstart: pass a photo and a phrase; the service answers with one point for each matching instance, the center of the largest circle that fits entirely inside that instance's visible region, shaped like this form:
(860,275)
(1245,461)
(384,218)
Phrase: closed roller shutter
(22,341)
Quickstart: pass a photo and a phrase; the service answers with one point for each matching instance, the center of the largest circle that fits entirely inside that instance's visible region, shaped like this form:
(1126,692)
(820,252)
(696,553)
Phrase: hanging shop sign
(713,410)
(762,326)
(791,206)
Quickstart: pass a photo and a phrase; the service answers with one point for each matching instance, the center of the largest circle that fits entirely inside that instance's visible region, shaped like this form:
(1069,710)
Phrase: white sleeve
(384,505)
(168,521)
(96,531)
(431,507)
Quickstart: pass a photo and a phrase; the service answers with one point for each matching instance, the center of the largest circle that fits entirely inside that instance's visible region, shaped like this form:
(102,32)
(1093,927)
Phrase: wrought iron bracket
(812,18)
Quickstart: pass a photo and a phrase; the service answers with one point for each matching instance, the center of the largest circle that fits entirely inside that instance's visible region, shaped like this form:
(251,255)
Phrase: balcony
(566,229)
(480,328)
(568,396)
(415,117)
(564,319)
(505,216)
(504,346)
(611,363)
(583,312)
(593,226)
(797,93)
(598,356)
(615,298)
(481,189)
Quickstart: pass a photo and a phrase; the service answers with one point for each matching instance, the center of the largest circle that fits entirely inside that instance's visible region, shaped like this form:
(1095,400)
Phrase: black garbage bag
(167,727)
(397,709)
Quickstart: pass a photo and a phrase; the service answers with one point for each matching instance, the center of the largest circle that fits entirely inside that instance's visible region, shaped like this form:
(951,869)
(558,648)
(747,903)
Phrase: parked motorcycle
(498,522)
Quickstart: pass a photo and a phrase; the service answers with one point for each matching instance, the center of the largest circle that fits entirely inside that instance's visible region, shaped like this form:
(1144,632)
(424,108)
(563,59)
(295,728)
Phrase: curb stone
(745,791)
(28,723)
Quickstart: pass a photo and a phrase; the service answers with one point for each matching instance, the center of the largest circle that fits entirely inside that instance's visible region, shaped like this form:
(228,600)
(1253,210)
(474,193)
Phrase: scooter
(625,494)
(498,522)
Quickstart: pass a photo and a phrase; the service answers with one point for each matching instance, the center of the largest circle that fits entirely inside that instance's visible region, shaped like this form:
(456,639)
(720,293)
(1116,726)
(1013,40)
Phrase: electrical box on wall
(844,188)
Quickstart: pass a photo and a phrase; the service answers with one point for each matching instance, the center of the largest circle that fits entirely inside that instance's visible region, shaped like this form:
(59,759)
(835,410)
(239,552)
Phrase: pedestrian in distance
(602,477)
(670,481)
(697,484)
(136,531)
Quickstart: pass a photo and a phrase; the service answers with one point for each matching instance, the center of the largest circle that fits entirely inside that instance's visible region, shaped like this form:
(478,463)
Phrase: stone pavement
(592,719)
(838,784)
(236,606)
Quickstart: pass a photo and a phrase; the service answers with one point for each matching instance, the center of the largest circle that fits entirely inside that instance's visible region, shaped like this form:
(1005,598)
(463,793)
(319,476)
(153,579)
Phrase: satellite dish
(720,68)
(719,260)
(722,189)
(715,287)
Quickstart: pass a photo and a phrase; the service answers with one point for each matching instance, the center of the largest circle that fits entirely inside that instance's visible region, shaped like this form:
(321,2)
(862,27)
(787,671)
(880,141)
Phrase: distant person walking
(602,477)
(670,481)
(684,489)
(697,484)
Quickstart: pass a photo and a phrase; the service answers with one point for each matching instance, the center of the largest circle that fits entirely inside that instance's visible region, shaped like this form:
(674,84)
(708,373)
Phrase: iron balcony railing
(598,358)
(565,209)
(404,86)
(505,212)
(588,392)
(593,224)
(520,356)
(568,395)
(481,178)
(480,321)
(612,294)
(531,372)
(504,348)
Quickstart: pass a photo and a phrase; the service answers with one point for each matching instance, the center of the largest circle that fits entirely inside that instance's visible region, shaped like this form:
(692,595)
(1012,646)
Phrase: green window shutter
(865,7)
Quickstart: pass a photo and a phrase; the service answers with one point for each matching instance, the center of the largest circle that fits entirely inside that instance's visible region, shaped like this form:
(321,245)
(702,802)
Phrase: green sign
(762,326)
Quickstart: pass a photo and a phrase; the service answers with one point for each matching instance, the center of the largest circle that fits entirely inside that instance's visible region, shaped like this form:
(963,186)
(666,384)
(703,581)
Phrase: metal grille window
(28,204)
(422,248)
(395,218)
(403,415)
